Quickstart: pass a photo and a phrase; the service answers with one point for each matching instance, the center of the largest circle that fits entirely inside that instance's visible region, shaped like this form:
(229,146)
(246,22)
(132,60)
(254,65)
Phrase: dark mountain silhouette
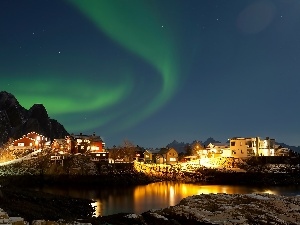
(16,121)
(210,140)
(178,146)
(181,146)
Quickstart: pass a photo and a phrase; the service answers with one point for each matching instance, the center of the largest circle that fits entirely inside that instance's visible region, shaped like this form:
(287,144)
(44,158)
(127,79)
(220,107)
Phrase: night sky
(158,70)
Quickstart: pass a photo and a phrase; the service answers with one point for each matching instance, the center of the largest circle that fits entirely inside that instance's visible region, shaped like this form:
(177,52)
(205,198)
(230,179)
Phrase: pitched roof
(166,150)
(219,144)
(60,141)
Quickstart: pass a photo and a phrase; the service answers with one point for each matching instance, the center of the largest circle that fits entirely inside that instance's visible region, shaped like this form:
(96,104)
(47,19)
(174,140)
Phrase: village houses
(93,145)
(240,147)
(31,141)
(167,156)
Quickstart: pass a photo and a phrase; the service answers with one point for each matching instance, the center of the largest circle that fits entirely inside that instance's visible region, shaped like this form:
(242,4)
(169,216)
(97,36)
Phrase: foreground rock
(219,209)
(237,209)
(33,205)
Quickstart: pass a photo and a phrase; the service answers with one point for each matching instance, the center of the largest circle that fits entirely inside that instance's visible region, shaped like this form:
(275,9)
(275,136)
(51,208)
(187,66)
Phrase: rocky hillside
(16,121)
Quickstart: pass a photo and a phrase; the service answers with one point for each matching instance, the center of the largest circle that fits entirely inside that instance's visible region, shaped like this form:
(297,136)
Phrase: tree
(128,150)
(188,149)
(114,153)
(196,148)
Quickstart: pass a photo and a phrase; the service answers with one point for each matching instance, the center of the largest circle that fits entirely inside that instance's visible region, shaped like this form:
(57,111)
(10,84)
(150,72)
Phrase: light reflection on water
(142,198)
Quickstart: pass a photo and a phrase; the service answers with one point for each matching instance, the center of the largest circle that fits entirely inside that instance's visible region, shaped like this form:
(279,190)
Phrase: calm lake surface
(141,198)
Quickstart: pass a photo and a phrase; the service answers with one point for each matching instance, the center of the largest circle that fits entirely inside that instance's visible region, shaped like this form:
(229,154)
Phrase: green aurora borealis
(131,26)
(154,71)
(135,27)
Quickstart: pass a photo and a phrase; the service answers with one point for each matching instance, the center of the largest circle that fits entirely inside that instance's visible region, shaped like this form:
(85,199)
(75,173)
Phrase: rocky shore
(33,205)
(18,201)
(233,209)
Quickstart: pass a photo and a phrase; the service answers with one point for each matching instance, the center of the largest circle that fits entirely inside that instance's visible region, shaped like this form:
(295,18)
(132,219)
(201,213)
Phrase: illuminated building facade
(143,156)
(253,146)
(167,156)
(82,143)
(32,140)
(62,144)
(217,150)
(99,157)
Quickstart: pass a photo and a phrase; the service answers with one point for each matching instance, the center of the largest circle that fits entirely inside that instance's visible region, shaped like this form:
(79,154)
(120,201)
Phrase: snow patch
(258,196)
(132,216)
(156,215)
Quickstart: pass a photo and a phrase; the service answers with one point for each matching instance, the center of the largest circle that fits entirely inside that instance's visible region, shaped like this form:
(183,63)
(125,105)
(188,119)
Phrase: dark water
(142,198)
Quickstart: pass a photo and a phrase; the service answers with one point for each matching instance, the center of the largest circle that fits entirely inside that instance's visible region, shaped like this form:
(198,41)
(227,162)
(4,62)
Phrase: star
(59,52)
(162,26)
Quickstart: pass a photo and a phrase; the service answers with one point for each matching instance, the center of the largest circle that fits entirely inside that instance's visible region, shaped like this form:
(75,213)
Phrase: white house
(251,146)
(218,150)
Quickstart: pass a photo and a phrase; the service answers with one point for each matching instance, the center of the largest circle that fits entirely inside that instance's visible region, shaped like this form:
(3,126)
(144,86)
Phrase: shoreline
(18,198)
(210,177)
(43,208)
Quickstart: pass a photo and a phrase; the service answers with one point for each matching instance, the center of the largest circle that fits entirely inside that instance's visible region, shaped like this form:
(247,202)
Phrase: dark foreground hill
(16,121)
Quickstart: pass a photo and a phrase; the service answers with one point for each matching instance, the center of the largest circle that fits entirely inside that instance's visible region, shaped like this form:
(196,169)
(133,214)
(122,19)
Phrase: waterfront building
(143,156)
(282,151)
(217,150)
(32,141)
(99,157)
(61,145)
(242,147)
(167,156)
(83,143)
